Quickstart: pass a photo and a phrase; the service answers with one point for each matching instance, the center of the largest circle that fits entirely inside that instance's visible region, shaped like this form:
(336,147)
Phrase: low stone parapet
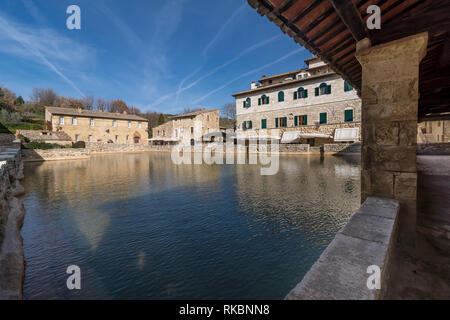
(12,212)
(341,272)
(432,149)
(31,155)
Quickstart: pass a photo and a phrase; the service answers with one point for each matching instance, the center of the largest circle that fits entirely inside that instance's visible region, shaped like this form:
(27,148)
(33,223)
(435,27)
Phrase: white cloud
(42,45)
(223,28)
(247,74)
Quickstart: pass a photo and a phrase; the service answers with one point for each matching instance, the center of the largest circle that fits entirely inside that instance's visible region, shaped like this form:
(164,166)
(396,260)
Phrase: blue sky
(159,55)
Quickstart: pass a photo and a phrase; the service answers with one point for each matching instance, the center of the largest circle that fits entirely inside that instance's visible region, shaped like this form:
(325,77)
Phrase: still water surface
(141,227)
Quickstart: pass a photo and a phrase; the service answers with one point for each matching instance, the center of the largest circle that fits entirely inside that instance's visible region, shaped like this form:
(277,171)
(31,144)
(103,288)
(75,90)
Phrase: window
(127,138)
(349,115)
(92,122)
(281,122)
(90,138)
(300,93)
(61,120)
(129,125)
(301,120)
(247,103)
(158,132)
(264,124)
(77,138)
(140,125)
(347,86)
(263,100)
(323,89)
(164,133)
(74,121)
(117,139)
(114,123)
(323,118)
(280,96)
(247,125)
(192,130)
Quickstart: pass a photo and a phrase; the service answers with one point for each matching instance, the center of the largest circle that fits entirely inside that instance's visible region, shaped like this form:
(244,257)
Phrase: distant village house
(187,129)
(97,126)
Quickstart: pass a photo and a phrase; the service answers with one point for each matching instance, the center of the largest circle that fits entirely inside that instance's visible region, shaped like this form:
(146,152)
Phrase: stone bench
(341,271)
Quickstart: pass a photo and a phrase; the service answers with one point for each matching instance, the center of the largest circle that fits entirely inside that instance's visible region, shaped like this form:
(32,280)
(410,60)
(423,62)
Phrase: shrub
(79,144)
(44,145)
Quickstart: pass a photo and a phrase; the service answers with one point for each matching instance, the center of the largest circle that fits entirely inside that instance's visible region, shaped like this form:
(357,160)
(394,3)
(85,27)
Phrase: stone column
(390,93)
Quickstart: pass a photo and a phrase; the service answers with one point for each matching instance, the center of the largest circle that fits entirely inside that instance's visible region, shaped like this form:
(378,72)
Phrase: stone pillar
(390,93)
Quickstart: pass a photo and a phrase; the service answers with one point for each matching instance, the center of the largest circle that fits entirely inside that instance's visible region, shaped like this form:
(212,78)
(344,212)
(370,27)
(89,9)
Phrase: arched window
(248,103)
(300,93)
(323,89)
(280,96)
(263,100)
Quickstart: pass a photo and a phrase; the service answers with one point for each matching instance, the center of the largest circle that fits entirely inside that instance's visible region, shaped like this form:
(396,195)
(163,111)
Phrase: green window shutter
(249,102)
(329,89)
(347,86)
(323,118)
(267,100)
(263,124)
(306,120)
(244,126)
(251,124)
(285,121)
(317,91)
(259,101)
(280,96)
(348,115)
(276,122)
(244,104)
(296,121)
(295,95)
(306,93)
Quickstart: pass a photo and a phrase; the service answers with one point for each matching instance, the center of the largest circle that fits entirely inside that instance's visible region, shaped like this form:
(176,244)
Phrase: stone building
(187,129)
(434,131)
(98,126)
(313,101)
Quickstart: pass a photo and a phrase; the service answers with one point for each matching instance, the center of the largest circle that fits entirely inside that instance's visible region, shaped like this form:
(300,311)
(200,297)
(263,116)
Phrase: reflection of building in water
(346,171)
(322,198)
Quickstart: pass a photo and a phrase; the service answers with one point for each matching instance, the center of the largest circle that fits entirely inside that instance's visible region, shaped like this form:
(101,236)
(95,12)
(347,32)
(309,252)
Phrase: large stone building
(313,102)
(187,129)
(97,126)
(434,131)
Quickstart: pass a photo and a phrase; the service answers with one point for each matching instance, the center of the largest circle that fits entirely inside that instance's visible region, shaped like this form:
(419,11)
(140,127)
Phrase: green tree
(161,119)
(19,101)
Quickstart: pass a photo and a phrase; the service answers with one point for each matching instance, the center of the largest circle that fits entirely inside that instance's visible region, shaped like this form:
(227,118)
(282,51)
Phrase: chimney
(253,85)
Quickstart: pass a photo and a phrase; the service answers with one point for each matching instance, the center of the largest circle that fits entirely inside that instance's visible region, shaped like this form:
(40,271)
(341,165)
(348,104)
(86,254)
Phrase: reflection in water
(141,227)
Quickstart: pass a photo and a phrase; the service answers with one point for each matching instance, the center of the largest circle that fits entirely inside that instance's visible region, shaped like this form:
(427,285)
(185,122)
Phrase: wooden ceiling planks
(317,25)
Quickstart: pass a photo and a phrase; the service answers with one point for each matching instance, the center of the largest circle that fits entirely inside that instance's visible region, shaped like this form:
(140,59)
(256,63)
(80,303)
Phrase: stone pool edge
(12,214)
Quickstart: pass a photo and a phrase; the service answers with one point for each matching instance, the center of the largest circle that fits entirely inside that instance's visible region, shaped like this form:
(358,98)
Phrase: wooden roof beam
(349,14)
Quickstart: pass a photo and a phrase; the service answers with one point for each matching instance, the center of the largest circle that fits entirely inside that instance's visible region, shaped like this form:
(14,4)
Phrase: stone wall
(12,212)
(341,271)
(54,154)
(441,149)
(341,148)
(95,147)
(6,139)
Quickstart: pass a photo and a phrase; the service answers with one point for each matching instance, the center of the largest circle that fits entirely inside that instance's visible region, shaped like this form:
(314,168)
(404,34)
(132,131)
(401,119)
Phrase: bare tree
(228,111)
(87,102)
(118,106)
(45,97)
(189,110)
